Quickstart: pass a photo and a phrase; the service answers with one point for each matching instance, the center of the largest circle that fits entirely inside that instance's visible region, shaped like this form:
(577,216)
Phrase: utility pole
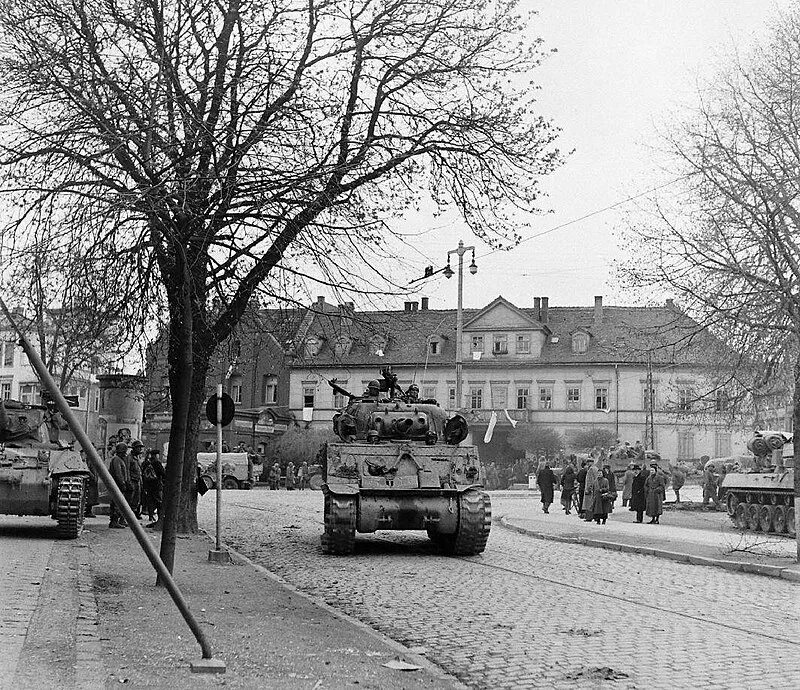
(448,273)
(649,432)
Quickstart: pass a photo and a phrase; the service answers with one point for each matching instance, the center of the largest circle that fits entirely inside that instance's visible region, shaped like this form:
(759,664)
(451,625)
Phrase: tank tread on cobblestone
(762,500)
(399,466)
(39,476)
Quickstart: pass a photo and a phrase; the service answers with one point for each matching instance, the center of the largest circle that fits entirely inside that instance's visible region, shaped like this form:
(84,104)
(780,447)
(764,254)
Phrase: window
(269,390)
(428,392)
(573,398)
(433,347)
(685,398)
(580,343)
(5,390)
(308,396)
(499,397)
(648,398)
(500,343)
(601,398)
(8,355)
(722,444)
(236,393)
(97,401)
(523,344)
(451,398)
(685,445)
(477,343)
(341,346)
(721,402)
(476,398)
(29,393)
(522,398)
(546,398)
(339,399)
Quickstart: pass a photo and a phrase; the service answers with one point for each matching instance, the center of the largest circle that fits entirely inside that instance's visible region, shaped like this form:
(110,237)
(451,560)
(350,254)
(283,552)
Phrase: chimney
(320,300)
(543,311)
(424,303)
(670,303)
(598,310)
(411,306)
(537,306)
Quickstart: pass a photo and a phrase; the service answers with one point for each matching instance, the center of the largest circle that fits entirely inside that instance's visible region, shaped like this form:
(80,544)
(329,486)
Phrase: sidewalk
(87,614)
(720,546)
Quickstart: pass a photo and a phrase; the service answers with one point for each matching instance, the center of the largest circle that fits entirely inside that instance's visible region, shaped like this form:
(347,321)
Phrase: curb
(790,574)
(418,659)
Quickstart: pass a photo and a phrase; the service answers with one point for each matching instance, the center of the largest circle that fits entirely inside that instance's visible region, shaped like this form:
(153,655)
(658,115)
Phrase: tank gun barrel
(338,389)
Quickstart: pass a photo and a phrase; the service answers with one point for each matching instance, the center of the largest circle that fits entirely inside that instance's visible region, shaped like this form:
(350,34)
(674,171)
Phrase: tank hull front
(24,492)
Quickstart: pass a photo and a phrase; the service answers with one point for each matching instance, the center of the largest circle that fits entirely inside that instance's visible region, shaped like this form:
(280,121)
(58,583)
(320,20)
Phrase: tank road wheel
(765,514)
(732,503)
(752,516)
(70,505)
(339,537)
(474,524)
(791,525)
(740,516)
(779,519)
(230,483)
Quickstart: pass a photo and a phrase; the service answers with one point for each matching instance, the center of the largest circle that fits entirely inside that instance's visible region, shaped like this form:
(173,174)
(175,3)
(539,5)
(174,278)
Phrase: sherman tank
(399,466)
(762,499)
(38,474)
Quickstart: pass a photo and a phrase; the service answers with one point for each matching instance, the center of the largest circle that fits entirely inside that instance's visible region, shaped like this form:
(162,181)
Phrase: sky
(622,70)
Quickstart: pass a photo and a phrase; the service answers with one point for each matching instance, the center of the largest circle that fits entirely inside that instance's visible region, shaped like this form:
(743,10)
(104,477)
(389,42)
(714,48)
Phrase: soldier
(275,476)
(119,471)
(152,484)
(290,476)
(135,473)
(710,487)
(302,476)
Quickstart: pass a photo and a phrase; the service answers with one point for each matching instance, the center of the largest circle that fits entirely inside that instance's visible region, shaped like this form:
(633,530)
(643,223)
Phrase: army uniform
(119,471)
(134,496)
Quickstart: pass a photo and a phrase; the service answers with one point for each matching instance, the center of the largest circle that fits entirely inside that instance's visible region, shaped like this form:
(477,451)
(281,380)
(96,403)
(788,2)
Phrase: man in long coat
(592,472)
(567,487)
(119,471)
(627,485)
(638,492)
(656,487)
(581,479)
(546,480)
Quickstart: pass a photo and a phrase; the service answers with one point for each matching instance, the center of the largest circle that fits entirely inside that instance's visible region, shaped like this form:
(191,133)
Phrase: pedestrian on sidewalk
(581,480)
(135,477)
(603,500)
(546,480)
(656,486)
(678,480)
(710,487)
(627,485)
(119,471)
(592,472)
(638,491)
(567,486)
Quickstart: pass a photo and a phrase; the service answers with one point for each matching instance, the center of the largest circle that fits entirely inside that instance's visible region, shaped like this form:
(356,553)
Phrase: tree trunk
(796,446)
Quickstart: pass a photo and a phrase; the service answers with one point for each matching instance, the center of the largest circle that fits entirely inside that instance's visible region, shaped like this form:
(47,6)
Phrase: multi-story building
(639,372)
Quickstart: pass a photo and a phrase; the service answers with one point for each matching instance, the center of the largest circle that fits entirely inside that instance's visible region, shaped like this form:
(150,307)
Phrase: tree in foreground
(232,141)
(729,248)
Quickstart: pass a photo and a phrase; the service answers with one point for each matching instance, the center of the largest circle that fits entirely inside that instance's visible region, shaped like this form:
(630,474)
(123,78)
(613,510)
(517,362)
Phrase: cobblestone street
(531,613)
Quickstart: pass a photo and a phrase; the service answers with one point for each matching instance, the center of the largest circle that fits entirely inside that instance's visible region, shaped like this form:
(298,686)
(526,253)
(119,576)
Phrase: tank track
(339,537)
(70,505)
(747,512)
(474,524)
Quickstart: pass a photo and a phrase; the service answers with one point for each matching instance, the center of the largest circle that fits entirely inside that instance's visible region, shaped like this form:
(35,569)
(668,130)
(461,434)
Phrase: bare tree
(230,141)
(729,247)
(541,440)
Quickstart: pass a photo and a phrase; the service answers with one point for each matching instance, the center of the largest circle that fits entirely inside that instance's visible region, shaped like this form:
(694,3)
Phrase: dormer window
(580,343)
(342,345)
(377,345)
(434,347)
(312,347)
(500,344)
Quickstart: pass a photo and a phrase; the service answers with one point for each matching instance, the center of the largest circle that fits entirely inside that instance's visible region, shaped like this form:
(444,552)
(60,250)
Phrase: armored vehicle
(762,499)
(399,466)
(38,474)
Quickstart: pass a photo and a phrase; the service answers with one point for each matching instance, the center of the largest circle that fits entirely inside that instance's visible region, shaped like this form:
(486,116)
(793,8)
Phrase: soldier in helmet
(119,471)
(413,393)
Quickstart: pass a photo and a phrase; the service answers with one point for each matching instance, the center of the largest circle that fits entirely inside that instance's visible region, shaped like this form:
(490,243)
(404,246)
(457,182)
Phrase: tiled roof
(624,335)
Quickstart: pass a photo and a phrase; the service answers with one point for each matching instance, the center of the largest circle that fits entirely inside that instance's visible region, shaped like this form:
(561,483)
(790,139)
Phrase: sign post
(219,411)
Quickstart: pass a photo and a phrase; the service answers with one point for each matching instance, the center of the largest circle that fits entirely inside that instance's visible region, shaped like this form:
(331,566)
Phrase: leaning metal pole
(114,490)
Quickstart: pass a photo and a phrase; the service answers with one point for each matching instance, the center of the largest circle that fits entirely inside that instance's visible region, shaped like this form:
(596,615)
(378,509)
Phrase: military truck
(39,475)
(399,466)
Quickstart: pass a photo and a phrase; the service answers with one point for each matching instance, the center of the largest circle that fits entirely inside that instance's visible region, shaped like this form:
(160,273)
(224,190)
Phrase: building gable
(501,314)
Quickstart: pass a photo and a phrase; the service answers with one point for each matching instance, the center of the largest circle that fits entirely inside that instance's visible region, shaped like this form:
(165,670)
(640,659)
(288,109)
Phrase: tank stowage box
(762,499)
(399,466)
(38,475)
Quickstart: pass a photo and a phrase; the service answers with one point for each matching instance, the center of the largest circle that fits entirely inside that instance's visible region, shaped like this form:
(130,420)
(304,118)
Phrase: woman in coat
(546,480)
(627,485)
(592,473)
(656,487)
(602,499)
(567,487)
(638,492)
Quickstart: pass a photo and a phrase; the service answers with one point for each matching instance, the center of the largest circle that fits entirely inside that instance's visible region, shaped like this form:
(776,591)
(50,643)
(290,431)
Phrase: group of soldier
(139,474)
(296,478)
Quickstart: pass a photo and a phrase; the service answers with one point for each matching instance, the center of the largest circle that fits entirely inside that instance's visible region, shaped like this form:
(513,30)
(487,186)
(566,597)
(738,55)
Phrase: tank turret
(400,466)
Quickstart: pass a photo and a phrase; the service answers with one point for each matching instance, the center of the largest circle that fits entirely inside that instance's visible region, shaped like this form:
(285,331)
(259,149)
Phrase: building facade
(639,373)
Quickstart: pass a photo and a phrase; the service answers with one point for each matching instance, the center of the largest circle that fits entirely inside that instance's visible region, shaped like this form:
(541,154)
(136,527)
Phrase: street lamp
(448,272)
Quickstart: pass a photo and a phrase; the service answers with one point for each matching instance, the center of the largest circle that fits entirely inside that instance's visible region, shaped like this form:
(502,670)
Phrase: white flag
(512,422)
(490,430)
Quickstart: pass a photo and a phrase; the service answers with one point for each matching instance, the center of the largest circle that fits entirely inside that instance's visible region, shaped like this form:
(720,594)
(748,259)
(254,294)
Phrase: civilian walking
(656,486)
(567,487)
(546,480)
(627,485)
(639,492)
